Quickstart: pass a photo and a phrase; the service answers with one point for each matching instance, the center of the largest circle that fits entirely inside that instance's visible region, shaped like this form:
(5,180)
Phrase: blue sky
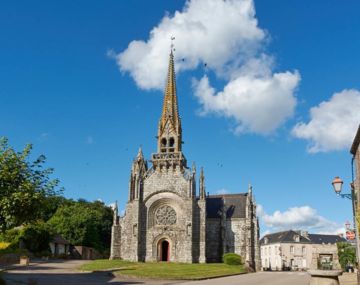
(73,83)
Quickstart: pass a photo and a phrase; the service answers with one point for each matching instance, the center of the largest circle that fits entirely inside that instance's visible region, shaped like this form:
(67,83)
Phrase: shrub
(12,236)
(4,245)
(36,237)
(232,259)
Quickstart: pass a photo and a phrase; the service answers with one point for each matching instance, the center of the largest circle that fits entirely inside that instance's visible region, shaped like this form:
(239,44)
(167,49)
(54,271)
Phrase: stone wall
(142,234)
(201,205)
(115,248)
(213,240)
(192,236)
(236,236)
(130,232)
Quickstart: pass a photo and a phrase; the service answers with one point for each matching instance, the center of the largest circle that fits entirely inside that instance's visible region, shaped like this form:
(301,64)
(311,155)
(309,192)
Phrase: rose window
(165,215)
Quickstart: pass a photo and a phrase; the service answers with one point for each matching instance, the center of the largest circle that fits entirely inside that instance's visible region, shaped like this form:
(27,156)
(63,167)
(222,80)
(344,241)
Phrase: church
(169,217)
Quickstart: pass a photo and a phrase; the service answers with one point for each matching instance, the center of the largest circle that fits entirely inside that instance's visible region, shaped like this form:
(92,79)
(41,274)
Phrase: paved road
(266,278)
(65,273)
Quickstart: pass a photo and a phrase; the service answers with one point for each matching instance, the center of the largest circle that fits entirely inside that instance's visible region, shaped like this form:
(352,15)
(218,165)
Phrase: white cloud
(336,231)
(225,35)
(219,33)
(258,105)
(298,218)
(333,123)
(222,191)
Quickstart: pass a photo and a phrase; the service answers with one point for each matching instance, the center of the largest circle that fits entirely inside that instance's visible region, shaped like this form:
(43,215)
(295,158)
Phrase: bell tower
(169,138)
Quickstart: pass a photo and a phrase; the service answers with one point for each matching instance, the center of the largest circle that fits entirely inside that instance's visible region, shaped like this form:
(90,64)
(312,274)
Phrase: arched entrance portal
(164,250)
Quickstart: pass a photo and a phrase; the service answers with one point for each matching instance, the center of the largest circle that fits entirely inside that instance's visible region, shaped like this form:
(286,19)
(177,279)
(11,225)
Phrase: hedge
(232,259)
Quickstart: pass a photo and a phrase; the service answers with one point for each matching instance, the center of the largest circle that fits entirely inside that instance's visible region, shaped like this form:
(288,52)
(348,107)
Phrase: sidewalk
(348,279)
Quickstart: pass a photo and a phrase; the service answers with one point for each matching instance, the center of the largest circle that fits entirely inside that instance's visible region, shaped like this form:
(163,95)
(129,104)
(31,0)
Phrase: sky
(268,91)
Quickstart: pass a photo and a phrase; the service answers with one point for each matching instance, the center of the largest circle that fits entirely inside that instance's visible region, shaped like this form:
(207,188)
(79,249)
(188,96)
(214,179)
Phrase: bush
(4,245)
(232,259)
(35,238)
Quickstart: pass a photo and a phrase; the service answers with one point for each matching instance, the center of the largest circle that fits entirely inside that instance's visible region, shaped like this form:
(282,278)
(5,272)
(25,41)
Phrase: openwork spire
(170,105)
(169,132)
(169,154)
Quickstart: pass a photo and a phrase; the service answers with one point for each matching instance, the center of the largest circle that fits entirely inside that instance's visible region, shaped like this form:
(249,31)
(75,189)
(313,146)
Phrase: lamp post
(337,184)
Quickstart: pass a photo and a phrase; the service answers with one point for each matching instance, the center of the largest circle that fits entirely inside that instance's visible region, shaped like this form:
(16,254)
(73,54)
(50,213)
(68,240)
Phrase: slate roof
(326,238)
(60,240)
(235,204)
(289,237)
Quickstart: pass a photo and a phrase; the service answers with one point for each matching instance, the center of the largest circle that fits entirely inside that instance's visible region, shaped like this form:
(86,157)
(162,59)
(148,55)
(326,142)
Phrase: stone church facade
(169,218)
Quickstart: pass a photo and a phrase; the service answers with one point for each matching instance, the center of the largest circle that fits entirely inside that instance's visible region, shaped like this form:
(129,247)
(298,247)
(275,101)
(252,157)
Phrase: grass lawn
(163,270)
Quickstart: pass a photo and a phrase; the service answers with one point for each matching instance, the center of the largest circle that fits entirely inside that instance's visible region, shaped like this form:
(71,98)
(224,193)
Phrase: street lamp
(337,183)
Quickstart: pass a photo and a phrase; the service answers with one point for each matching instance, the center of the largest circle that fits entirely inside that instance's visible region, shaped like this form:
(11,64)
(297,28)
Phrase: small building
(298,250)
(59,246)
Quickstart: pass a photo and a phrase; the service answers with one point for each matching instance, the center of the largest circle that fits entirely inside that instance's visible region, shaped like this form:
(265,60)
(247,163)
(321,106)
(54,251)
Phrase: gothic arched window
(163,144)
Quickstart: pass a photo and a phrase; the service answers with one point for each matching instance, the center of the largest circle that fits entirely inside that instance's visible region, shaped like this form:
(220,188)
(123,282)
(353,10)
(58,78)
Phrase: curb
(184,280)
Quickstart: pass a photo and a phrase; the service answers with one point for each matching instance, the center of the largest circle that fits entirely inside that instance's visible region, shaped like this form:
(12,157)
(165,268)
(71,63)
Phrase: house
(299,250)
(59,246)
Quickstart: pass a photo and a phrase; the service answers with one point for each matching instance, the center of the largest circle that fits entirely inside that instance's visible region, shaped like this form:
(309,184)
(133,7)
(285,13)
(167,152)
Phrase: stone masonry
(167,219)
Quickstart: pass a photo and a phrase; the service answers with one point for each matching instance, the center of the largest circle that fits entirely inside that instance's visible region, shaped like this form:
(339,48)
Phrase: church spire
(170,106)
(169,133)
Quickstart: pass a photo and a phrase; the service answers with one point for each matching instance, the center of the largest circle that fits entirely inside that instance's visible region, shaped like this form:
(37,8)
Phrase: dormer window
(297,238)
(266,240)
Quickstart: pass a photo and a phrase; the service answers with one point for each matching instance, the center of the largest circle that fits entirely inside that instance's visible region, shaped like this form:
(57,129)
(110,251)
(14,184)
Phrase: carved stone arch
(165,191)
(158,248)
(164,212)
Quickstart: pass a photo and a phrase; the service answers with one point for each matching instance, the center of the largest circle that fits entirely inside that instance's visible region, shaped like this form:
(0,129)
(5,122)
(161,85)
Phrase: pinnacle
(140,153)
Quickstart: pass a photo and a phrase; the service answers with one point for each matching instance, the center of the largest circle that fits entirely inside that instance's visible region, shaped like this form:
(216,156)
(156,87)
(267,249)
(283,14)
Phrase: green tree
(35,237)
(24,186)
(84,223)
(347,254)
(51,204)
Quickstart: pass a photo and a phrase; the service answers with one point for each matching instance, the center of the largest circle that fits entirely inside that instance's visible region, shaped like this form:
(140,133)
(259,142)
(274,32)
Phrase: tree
(347,254)
(84,223)
(24,186)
